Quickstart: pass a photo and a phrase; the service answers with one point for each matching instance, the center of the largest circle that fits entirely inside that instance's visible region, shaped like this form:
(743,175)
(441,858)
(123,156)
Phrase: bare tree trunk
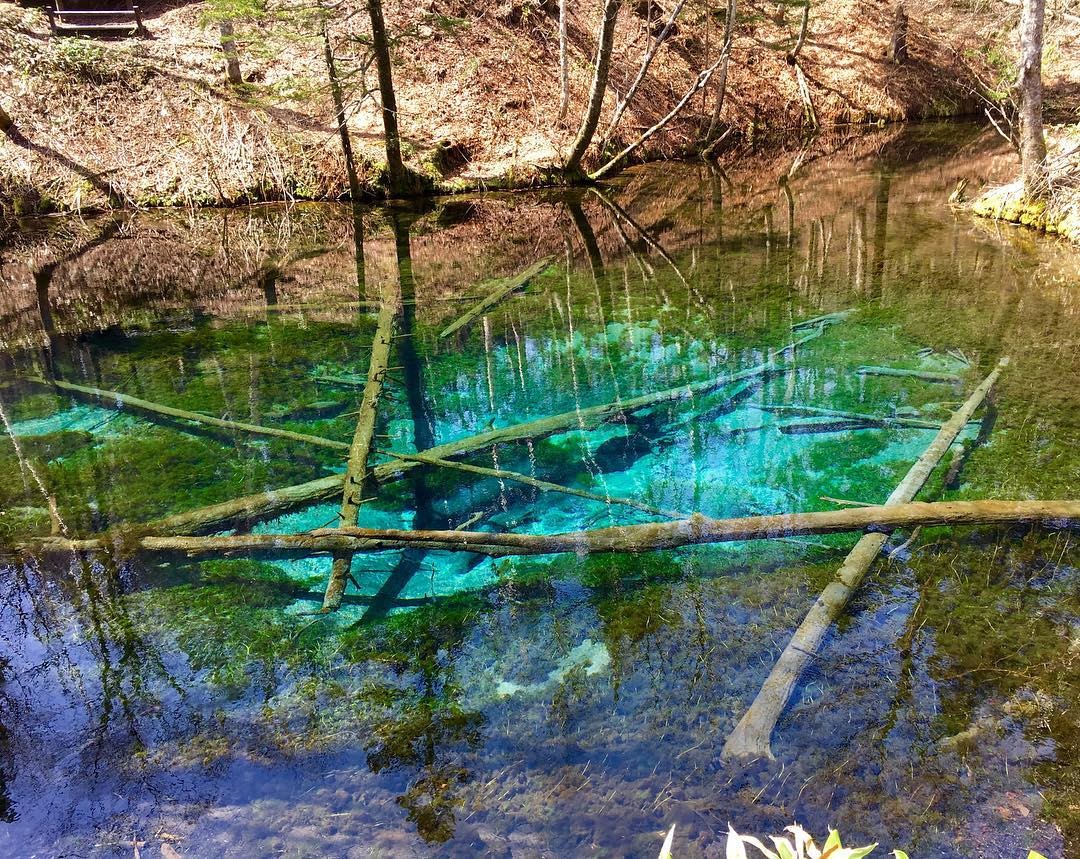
(380,44)
(623,103)
(337,95)
(1029,84)
(232,58)
(721,87)
(898,42)
(604,47)
(564,61)
(6,122)
(702,79)
(803,27)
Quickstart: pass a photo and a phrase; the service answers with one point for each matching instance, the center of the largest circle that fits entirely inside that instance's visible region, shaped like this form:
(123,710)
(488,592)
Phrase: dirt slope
(149,121)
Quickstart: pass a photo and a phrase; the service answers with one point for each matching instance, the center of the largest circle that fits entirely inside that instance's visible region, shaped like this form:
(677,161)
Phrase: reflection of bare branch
(58,525)
(648,239)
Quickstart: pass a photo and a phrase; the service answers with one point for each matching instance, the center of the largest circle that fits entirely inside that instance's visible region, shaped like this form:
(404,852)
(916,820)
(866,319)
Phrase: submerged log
(751,736)
(357,472)
(652,536)
(115,400)
(876,420)
(264,504)
(501,289)
(542,485)
(816,425)
(926,376)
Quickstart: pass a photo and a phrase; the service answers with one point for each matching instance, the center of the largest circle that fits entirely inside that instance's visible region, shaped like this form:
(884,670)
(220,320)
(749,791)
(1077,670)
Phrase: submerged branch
(502,288)
(115,400)
(542,485)
(752,734)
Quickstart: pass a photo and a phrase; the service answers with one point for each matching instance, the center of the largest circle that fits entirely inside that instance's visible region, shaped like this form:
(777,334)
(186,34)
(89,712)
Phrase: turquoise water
(551,705)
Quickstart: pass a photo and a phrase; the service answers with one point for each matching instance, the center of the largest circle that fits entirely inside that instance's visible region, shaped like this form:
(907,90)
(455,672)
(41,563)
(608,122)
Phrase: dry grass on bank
(1059,213)
(150,121)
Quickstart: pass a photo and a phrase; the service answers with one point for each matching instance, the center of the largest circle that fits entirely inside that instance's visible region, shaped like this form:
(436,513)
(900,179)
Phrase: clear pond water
(553,705)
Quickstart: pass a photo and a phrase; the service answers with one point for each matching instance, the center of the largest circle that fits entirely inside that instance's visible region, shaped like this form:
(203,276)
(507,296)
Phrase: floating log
(357,472)
(926,376)
(648,537)
(501,288)
(114,399)
(542,485)
(877,420)
(752,734)
(264,504)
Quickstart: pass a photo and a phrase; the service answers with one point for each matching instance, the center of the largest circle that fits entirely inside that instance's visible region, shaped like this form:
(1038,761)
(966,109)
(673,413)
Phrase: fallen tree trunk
(876,420)
(752,734)
(502,288)
(927,376)
(542,485)
(114,399)
(357,472)
(652,536)
(264,504)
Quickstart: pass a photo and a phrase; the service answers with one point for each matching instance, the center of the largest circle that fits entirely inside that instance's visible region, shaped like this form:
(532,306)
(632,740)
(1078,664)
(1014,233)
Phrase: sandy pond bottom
(557,705)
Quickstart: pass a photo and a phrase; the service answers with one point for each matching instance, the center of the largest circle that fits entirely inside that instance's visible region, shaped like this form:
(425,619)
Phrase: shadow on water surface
(554,705)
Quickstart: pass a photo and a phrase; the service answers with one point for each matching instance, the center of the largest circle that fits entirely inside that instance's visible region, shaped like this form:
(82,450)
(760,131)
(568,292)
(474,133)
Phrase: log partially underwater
(751,736)
(266,504)
(652,536)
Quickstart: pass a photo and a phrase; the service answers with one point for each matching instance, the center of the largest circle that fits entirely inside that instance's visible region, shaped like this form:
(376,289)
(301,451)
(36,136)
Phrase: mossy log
(357,471)
(925,375)
(115,399)
(751,736)
(542,485)
(652,536)
(264,504)
(499,290)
